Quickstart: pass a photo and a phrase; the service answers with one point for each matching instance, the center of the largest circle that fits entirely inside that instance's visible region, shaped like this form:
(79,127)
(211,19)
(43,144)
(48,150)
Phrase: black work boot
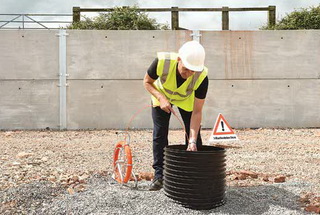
(156,184)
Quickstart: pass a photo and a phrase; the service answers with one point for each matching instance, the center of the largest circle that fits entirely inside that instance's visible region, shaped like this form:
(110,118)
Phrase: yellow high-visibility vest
(183,96)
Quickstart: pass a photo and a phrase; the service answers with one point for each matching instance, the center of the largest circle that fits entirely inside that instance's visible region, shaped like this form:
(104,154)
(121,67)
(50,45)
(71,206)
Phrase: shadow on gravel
(269,199)
(259,200)
(105,196)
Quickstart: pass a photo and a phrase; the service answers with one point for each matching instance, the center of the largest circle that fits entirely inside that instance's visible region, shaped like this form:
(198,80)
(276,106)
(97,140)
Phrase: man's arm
(195,122)
(148,85)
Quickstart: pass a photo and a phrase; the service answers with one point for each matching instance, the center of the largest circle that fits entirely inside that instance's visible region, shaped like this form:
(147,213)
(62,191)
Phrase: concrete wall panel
(29,54)
(264,103)
(118,54)
(106,104)
(29,104)
(252,103)
(257,79)
(262,54)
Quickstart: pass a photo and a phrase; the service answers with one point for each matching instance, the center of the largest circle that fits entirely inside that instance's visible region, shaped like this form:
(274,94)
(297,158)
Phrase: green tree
(121,18)
(304,18)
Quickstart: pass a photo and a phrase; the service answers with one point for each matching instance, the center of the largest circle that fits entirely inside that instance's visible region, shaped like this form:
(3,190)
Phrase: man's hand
(165,105)
(195,122)
(192,147)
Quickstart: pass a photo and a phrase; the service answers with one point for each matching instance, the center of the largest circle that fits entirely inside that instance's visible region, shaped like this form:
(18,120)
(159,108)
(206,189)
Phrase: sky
(189,20)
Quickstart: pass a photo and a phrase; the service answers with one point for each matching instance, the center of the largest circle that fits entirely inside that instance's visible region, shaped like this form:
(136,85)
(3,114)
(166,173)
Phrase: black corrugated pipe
(195,179)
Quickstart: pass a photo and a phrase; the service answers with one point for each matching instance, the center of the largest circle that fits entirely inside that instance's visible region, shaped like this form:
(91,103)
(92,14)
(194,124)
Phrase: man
(181,80)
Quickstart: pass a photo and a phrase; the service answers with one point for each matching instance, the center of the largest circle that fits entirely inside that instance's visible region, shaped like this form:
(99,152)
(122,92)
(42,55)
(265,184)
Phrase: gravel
(104,196)
(52,172)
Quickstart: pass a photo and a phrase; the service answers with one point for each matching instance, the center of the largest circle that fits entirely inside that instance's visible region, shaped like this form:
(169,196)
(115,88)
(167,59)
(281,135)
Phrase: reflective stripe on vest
(166,68)
(165,72)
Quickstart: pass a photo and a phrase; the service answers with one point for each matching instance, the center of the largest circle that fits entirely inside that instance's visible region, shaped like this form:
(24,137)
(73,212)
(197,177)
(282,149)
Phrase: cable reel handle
(127,135)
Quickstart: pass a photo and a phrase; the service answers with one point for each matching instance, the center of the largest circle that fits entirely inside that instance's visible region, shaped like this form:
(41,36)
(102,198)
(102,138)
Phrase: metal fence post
(225,18)
(272,16)
(63,77)
(196,35)
(174,18)
(76,14)
(23,21)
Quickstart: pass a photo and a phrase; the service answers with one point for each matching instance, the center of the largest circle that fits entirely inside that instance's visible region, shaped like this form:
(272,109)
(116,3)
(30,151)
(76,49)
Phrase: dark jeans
(160,135)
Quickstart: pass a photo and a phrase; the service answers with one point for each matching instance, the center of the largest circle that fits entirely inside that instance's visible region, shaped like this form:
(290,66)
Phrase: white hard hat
(192,55)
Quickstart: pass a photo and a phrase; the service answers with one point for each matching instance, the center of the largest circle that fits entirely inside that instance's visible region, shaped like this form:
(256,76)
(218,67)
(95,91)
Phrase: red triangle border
(217,125)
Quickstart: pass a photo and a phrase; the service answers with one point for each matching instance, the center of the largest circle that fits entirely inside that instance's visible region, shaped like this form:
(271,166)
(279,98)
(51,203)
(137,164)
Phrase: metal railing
(32,21)
(28,21)
(175,13)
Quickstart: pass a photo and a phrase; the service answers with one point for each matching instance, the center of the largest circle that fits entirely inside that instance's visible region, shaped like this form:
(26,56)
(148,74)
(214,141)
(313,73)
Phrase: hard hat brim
(192,67)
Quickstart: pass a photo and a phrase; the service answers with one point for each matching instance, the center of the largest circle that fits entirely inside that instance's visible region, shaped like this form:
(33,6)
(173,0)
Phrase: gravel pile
(52,172)
(104,196)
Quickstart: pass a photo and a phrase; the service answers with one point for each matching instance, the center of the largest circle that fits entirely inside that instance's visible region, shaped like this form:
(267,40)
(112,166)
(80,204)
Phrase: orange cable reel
(122,157)
(122,162)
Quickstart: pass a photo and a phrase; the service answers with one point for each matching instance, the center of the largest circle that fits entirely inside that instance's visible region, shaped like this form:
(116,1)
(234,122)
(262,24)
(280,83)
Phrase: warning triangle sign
(222,131)
(221,126)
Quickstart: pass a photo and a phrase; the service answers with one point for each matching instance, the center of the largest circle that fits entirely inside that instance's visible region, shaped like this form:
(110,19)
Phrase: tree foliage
(121,18)
(304,18)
